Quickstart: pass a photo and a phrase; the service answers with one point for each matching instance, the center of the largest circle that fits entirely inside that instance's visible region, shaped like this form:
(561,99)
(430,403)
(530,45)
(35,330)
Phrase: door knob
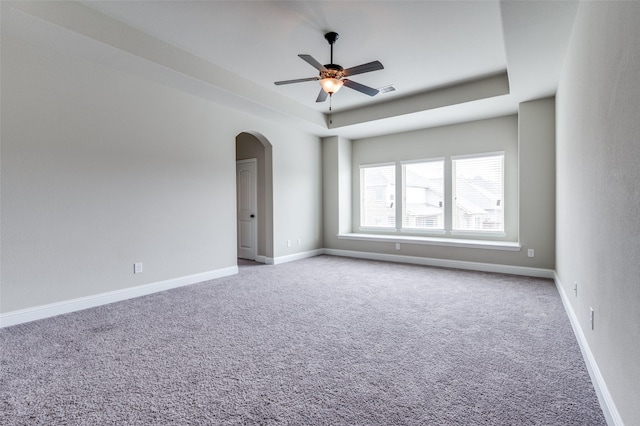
(253,215)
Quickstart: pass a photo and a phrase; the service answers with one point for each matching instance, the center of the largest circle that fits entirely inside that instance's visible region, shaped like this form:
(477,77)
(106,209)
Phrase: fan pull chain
(330,118)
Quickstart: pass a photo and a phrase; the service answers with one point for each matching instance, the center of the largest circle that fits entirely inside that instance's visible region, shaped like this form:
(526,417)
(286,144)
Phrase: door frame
(254,140)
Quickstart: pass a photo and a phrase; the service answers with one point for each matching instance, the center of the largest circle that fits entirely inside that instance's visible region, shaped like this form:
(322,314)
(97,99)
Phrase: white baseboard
(67,306)
(446,263)
(264,259)
(297,256)
(45,311)
(609,409)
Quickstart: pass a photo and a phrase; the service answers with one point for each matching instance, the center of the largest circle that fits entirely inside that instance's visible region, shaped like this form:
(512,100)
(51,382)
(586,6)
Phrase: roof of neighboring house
(423,210)
(474,196)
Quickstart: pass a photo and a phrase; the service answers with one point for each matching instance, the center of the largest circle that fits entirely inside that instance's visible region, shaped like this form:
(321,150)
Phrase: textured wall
(103,168)
(336,178)
(537,180)
(598,190)
(537,139)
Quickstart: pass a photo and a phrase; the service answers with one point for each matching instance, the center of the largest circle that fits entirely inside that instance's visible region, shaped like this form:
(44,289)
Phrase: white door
(247,196)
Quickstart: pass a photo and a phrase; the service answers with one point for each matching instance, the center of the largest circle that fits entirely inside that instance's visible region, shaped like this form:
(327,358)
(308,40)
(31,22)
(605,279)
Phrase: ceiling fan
(332,76)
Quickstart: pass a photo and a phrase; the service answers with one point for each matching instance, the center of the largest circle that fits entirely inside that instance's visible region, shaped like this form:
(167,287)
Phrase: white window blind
(478,193)
(423,189)
(377,189)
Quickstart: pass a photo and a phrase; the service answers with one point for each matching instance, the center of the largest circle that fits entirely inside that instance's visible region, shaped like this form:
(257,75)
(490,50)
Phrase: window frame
(400,226)
(373,228)
(478,232)
(447,232)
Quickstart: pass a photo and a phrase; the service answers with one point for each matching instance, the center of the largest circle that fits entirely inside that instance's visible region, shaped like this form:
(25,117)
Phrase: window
(423,189)
(377,189)
(478,193)
(451,195)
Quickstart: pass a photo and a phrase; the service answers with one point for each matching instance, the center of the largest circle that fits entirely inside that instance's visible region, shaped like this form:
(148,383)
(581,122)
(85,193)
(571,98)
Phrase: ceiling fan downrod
(331,37)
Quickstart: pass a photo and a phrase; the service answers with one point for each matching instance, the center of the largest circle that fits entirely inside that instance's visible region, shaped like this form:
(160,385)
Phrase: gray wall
(498,134)
(336,172)
(101,168)
(537,178)
(530,132)
(598,190)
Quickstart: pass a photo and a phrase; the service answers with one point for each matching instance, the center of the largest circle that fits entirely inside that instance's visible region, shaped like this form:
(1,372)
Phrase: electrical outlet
(298,241)
(531,253)
(288,243)
(137,268)
(397,246)
(592,318)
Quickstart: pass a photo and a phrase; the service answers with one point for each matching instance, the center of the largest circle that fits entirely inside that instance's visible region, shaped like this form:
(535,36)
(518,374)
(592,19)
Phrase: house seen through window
(423,189)
(475,202)
(378,195)
(478,191)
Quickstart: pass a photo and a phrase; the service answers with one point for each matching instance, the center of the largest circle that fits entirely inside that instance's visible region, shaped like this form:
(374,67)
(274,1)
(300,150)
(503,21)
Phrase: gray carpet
(325,340)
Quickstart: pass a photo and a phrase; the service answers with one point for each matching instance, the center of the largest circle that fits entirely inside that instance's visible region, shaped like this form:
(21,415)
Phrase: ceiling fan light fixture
(331,85)
(331,75)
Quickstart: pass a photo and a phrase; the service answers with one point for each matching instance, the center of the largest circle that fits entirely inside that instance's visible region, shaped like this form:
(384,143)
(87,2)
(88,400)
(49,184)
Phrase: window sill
(434,241)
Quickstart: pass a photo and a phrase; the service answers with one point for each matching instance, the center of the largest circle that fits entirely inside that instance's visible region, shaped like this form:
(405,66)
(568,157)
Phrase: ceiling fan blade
(311,61)
(360,69)
(322,96)
(299,80)
(360,87)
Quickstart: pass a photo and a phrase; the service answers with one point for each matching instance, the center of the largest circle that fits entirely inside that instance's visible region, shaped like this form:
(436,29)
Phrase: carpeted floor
(325,340)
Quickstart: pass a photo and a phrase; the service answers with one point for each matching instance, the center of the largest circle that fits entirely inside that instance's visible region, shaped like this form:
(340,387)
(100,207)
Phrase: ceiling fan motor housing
(332,71)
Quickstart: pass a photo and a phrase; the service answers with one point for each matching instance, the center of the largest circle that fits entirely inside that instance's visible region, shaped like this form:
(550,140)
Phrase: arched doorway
(252,145)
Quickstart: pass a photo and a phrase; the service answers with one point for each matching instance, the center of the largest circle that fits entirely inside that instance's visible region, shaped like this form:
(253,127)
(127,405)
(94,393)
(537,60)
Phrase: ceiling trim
(534,59)
(89,23)
(483,88)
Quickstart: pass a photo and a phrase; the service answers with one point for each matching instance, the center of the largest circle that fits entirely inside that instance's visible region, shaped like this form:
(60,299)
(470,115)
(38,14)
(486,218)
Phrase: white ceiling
(423,45)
